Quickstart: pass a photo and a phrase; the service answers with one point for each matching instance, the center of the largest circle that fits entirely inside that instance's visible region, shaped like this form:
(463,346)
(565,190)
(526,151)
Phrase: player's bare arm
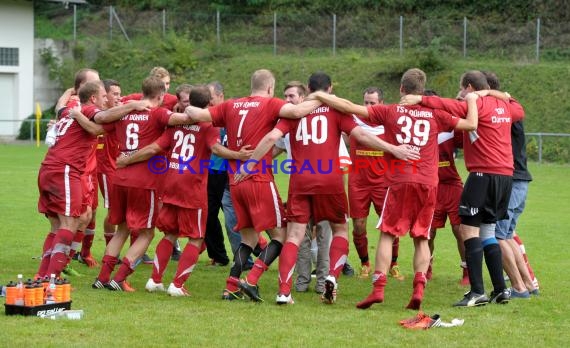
(85,123)
(411,99)
(262,148)
(198,114)
(494,93)
(340,104)
(300,110)
(64,99)
(179,118)
(243,154)
(403,152)
(139,156)
(472,118)
(115,113)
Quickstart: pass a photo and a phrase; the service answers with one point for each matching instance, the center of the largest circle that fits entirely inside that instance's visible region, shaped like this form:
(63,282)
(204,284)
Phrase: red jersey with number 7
(247,120)
(417,126)
(133,132)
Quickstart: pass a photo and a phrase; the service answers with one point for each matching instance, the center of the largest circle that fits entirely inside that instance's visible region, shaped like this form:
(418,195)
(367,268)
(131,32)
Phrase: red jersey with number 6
(247,121)
(133,132)
(417,126)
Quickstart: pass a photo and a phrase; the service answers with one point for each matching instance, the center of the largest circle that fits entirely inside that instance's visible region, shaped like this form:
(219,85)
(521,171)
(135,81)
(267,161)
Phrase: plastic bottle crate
(37,311)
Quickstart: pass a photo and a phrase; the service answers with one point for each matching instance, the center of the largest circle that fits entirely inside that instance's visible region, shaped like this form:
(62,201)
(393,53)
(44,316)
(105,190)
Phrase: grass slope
(203,320)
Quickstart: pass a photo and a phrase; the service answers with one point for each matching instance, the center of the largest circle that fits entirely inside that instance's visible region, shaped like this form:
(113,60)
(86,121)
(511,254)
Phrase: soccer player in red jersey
(70,97)
(59,179)
(485,197)
(184,193)
(133,204)
(107,152)
(257,203)
(366,186)
(412,187)
(316,187)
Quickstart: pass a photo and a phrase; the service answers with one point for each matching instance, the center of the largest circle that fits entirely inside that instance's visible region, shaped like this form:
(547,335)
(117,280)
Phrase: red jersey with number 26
(417,126)
(73,144)
(133,132)
(186,183)
(247,120)
(315,139)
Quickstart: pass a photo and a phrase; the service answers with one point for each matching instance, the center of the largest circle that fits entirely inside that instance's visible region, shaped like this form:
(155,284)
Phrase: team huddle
(401,161)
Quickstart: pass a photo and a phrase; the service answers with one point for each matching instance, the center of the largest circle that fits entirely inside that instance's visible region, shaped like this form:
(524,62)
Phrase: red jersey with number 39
(73,143)
(133,132)
(417,126)
(315,139)
(247,121)
(189,146)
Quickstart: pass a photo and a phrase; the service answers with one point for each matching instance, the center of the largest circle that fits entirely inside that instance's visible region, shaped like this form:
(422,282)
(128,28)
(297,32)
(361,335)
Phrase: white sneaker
(174,291)
(151,286)
(284,299)
(329,296)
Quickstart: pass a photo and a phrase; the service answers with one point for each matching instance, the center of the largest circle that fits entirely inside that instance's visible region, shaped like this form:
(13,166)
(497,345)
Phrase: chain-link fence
(292,33)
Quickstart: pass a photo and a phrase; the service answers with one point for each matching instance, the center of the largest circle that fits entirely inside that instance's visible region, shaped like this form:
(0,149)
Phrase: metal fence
(294,33)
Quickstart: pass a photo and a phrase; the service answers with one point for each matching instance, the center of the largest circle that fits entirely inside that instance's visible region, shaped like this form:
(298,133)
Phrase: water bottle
(50,291)
(67,314)
(51,135)
(19,301)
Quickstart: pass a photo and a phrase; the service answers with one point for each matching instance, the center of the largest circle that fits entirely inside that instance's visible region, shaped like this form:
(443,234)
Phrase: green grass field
(203,320)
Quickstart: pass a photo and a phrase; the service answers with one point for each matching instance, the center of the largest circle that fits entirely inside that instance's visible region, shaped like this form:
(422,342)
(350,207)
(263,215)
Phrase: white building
(16,64)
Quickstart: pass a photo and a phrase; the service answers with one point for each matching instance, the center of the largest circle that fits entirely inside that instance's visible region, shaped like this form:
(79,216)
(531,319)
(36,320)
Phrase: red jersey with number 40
(133,132)
(189,146)
(73,144)
(315,139)
(417,126)
(247,120)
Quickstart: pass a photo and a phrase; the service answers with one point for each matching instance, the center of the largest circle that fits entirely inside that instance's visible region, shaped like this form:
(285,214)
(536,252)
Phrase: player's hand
(245,153)
(244,171)
(51,123)
(75,112)
(475,95)
(406,152)
(122,160)
(410,99)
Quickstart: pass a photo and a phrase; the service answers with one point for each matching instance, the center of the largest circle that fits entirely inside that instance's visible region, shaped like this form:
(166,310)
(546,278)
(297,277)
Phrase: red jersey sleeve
(454,107)
(165,138)
(445,120)
(377,113)
(217,113)
(516,109)
(134,96)
(285,125)
(346,123)
(163,115)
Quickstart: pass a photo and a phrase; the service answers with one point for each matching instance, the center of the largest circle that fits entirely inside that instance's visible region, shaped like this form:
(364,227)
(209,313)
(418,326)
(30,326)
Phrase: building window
(9,56)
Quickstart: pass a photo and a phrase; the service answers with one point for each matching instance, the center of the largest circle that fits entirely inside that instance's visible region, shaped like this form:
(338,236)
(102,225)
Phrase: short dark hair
(200,96)
(372,90)
(430,92)
(492,80)
(110,83)
(414,81)
(87,90)
(217,87)
(80,77)
(153,86)
(186,88)
(301,88)
(319,81)
(476,79)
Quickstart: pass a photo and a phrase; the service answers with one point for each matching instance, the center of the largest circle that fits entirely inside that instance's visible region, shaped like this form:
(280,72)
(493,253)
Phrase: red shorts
(90,194)
(60,191)
(257,205)
(105,186)
(333,207)
(185,222)
(408,207)
(448,197)
(360,197)
(136,206)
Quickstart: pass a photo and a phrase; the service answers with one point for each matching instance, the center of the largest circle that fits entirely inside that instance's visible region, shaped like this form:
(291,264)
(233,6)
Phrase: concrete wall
(46,91)
(17,31)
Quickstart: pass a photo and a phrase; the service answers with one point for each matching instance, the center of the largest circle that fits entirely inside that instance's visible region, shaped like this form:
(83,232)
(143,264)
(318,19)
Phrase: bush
(24,133)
